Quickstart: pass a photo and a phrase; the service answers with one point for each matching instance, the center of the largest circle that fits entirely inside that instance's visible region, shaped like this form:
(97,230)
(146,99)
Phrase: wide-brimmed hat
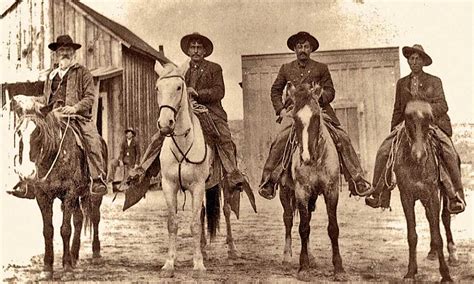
(130,129)
(407,51)
(63,40)
(207,43)
(294,39)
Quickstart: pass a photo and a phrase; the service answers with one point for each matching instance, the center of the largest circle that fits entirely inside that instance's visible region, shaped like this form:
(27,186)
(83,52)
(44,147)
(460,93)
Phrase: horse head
(35,135)
(307,118)
(172,96)
(418,118)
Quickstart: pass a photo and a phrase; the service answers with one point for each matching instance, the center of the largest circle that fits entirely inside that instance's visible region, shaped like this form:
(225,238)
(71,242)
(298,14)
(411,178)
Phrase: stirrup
(370,190)
(460,205)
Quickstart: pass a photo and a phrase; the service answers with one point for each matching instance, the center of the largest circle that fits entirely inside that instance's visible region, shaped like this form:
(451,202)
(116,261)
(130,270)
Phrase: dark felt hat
(130,129)
(417,48)
(63,40)
(294,39)
(206,42)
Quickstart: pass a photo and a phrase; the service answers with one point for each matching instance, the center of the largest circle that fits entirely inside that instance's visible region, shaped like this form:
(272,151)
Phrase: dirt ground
(373,245)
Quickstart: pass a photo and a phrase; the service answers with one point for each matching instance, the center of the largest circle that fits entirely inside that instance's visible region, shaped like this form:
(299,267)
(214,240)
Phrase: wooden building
(364,80)
(122,64)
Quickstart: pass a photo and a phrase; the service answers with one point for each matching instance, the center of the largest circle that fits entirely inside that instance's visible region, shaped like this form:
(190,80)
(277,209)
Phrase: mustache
(302,52)
(65,56)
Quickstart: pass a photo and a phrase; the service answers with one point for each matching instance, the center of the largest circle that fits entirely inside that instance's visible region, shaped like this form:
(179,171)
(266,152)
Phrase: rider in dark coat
(419,85)
(70,87)
(305,70)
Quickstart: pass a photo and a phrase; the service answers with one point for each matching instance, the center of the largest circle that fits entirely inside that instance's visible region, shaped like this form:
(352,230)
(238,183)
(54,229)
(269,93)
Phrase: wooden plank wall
(364,79)
(139,99)
(25,35)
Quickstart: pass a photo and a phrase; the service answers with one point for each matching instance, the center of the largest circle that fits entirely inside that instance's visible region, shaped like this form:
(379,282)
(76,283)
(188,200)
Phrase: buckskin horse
(314,171)
(52,165)
(185,161)
(416,170)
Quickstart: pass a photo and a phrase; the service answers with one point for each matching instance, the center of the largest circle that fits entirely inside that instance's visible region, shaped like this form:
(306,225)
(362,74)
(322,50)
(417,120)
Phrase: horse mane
(302,96)
(46,136)
(418,106)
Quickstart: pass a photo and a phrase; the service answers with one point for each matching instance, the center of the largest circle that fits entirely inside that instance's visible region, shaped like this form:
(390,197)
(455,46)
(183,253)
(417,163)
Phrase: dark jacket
(210,87)
(314,72)
(430,90)
(80,90)
(130,154)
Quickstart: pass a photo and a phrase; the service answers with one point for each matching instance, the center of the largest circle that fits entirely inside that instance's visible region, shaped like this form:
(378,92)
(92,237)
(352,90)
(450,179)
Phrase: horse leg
(331,200)
(304,230)
(198,192)
(408,204)
(68,207)
(46,206)
(96,201)
(203,234)
(170,194)
(432,209)
(453,259)
(286,199)
(77,220)
(232,251)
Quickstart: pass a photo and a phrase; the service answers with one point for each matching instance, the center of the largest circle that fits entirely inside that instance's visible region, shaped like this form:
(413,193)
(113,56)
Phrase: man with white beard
(69,87)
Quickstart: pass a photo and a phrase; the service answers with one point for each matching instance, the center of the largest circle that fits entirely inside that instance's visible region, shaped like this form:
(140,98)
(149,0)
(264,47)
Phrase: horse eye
(179,88)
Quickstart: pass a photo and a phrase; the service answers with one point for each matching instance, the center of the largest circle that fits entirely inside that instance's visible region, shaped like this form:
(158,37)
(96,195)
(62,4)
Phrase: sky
(443,28)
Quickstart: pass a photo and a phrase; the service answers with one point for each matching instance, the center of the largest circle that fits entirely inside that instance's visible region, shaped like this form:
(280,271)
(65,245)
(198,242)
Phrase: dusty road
(134,245)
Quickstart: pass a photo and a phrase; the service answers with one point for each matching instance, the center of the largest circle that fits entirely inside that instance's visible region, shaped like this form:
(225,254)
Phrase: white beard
(64,63)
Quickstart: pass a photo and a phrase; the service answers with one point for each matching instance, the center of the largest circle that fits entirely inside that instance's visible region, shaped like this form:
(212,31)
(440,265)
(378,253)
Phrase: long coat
(210,87)
(80,90)
(430,90)
(313,72)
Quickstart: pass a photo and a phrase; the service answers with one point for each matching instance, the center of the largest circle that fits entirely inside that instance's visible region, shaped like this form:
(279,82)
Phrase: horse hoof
(167,273)
(234,254)
(303,275)
(46,275)
(409,278)
(432,255)
(96,255)
(286,263)
(340,275)
(447,279)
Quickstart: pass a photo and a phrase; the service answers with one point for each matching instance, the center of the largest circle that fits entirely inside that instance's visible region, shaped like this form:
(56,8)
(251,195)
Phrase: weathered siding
(139,100)
(364,80)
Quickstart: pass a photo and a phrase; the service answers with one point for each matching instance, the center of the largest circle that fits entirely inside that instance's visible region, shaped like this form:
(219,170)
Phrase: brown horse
(416,169)
(314,171)
(52,165)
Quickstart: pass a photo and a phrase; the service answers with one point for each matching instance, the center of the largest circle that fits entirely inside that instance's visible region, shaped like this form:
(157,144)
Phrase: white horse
(185,160)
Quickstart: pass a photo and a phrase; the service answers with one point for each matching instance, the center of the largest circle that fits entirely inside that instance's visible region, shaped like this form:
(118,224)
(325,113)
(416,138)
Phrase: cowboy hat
(293,40)
(417,48)
(207,43)
(130,129)
(63,40)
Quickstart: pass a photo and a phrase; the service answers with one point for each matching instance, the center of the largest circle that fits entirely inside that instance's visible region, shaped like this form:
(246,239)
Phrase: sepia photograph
(256,141)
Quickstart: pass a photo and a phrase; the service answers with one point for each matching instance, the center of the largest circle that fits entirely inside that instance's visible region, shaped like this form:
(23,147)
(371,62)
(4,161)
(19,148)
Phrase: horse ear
(183,68)
(316,91)
(290,89)
(158,68)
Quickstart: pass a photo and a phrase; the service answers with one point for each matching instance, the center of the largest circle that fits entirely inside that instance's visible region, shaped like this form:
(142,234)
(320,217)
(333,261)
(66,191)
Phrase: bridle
(172,108)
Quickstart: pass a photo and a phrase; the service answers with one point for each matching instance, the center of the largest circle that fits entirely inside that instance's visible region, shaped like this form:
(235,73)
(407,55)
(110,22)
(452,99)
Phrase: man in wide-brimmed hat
(304,70)
(419,85)
(129,156)
(69,87)
(205,85)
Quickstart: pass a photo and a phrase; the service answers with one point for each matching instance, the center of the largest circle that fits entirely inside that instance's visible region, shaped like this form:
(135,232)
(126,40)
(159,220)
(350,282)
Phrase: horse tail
(213,213)
(86,207)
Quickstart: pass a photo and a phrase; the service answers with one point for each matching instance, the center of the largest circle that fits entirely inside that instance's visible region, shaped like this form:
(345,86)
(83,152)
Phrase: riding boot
(273,165)
(99,186)
(450,172)
(350,161)
(23,190)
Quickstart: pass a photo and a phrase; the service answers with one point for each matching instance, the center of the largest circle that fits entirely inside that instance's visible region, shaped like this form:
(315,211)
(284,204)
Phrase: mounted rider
(419,85)
(205,86)
(69,88)
(300,71)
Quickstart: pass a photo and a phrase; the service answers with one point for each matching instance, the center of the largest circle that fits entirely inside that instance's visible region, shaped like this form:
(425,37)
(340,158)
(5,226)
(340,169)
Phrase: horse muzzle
(26,171)
(166,130)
